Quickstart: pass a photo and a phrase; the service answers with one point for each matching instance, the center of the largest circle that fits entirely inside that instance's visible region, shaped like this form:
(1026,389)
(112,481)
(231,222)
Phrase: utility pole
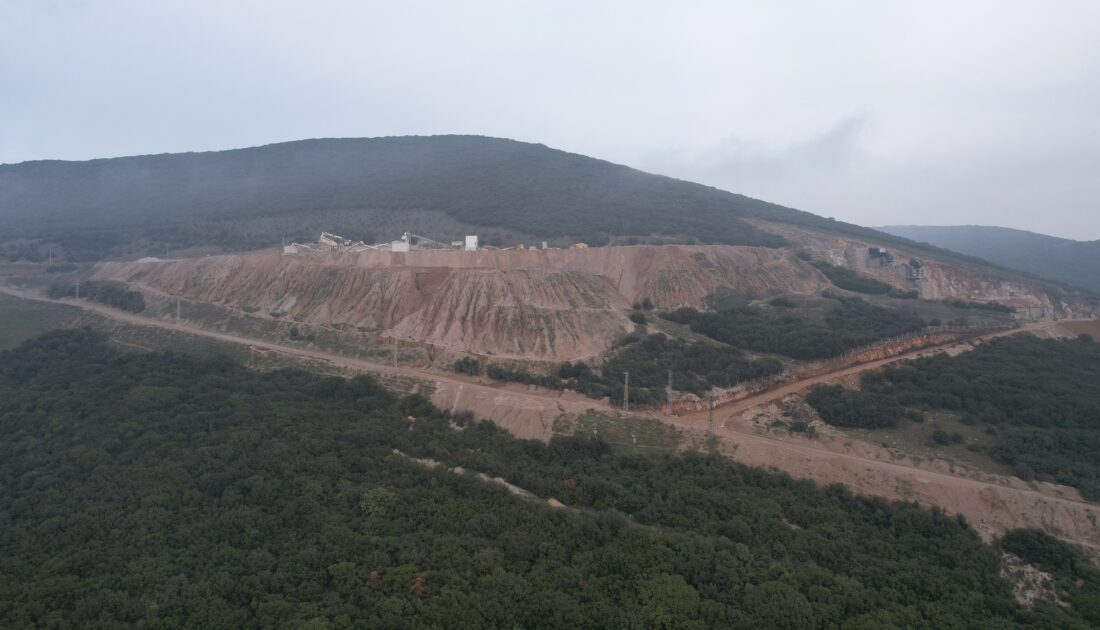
(177,310)
(78,289)
(626,391)
(51,255)
(669,392)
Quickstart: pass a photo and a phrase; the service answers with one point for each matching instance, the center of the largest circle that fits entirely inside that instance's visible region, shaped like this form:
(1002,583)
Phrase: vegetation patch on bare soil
(624,432)
(1038,400)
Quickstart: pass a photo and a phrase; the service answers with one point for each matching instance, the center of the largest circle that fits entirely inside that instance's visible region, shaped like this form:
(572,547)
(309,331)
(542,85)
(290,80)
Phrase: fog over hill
(370,188)
(475,181)
(1065,260)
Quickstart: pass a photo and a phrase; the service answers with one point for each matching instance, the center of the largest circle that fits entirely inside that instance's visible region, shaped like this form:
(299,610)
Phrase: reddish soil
(1085,327)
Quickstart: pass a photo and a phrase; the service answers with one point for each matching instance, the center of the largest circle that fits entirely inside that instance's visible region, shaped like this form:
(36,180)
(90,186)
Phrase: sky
(874,112)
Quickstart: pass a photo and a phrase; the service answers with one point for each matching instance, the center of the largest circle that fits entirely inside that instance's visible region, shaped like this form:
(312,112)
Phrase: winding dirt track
(990,504)
(432,375)
(1045,327)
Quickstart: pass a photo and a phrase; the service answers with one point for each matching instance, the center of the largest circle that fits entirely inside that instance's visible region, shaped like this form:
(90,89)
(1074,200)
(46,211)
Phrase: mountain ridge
(374,189)
(1064,260)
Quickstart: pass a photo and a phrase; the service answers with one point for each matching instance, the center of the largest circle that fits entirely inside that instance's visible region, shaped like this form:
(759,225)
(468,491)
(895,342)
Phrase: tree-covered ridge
(251,198)
(850,324)
(165,491)
(1040,398)
(477,181)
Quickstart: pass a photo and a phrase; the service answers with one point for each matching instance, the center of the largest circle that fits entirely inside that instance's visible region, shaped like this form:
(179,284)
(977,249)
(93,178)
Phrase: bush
(852,323)
(846,408)
(467,365)
(981,306)
(696,367)
(851,281)
(1041,549)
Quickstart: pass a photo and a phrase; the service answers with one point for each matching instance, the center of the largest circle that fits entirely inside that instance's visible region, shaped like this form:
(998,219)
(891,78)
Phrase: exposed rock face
(534,304)
(940,280)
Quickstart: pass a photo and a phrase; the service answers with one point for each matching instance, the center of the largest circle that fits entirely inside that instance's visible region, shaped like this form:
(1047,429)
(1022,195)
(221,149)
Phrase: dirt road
(495,388)
(524,411)
(991,505)
(1043,328)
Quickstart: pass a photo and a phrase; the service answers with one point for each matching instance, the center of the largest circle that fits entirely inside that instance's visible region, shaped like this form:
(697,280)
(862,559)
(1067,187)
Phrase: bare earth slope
(941,280)
(536,304)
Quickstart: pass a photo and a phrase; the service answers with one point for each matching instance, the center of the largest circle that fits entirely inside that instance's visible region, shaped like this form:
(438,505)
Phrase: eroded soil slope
(533,304)
(941,280)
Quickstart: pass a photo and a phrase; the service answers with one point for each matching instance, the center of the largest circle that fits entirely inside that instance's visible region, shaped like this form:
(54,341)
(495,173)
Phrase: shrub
(467,365)
(846,408)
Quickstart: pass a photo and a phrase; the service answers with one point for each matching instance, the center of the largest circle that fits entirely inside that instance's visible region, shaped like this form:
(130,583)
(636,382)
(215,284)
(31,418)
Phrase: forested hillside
(165,491)
(1037,399)
(370,189)
(477,181)
(1074,262)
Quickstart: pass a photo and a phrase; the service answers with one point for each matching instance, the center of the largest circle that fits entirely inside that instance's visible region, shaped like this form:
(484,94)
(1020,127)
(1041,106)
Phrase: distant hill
(357,185)
(373,189)
(1072,262)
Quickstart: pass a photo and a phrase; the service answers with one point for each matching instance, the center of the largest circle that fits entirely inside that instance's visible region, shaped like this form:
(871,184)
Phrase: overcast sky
(938,113)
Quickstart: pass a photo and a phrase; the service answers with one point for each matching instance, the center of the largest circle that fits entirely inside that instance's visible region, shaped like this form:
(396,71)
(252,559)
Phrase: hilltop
(445,185)
(372,189)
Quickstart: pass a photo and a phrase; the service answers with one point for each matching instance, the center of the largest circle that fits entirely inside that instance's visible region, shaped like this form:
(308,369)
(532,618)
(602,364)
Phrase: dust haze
(874,113)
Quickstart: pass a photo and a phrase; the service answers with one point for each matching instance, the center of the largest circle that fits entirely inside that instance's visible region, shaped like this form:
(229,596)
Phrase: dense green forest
(1038,398)
(109,293)
(163,490)
(843,407)
(850,324)
(696,367)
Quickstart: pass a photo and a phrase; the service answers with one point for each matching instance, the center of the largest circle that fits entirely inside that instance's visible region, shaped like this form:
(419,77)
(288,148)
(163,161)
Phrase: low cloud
(736,162)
